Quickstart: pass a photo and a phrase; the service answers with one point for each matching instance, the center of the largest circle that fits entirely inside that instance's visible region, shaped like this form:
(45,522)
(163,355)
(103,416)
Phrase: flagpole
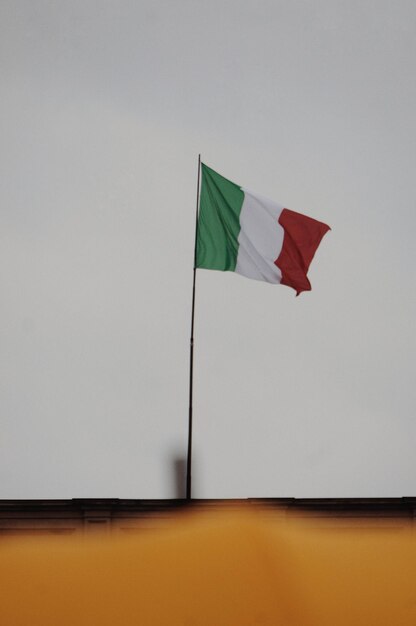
(191,360)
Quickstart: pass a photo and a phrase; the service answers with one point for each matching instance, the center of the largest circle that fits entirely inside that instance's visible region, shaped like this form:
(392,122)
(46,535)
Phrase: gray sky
(105,106)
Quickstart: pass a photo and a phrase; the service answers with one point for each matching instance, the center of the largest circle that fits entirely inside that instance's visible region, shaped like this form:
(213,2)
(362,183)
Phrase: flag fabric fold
(244,232)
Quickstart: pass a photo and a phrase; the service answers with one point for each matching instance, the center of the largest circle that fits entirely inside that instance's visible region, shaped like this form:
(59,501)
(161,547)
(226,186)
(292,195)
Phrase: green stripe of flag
(219,221)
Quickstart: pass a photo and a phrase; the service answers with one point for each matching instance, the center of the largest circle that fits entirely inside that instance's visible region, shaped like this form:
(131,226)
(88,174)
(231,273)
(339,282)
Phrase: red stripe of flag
(302,236)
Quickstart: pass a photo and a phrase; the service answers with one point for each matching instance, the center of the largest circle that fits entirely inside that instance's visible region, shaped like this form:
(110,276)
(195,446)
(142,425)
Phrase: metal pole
(191,362)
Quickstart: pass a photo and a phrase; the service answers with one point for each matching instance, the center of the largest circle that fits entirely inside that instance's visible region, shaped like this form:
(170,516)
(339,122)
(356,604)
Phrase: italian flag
(241,231)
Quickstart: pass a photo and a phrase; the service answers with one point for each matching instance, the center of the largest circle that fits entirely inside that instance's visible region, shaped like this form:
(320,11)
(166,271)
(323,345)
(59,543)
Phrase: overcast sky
(105,106)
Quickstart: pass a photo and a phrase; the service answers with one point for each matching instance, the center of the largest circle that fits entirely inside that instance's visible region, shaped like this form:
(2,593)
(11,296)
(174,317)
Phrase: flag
(241,231)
